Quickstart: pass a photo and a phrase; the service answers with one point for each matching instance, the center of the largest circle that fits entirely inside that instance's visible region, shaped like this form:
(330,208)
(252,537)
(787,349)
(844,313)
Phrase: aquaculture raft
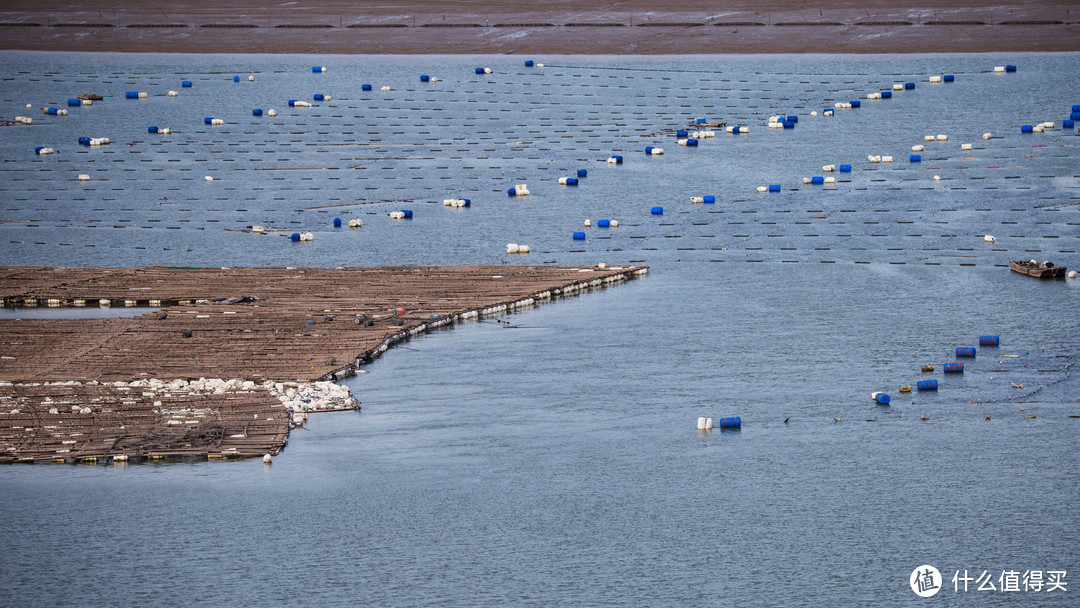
(1045,270)
(250,324)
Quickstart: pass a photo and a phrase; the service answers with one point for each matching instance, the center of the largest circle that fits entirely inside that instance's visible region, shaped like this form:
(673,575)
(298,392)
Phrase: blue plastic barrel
(236,79)
(708,198)
(845,168)
(915,158)
(789,124)
(657,211)
(468,202)
(511,192)
(38,149)
(579,236)
(965,351)
(988,340)
(691,142)
(618,158)
(699,121)
(882,398)
(909,85)
(855,103)
(317,68)
(294,237)
(185,83)
(954,368)
(603,223)
(1076,107)
(320,97)
(84,141)
(582,172)
(1074,115)
(208,120)
(926,385)
(1068,123)
(817,179)
(424,78)
(793,118)
(734,129)
(337,222)
(55,111)
(256,112)
(132,95)
(1010,68)
(948,78)
(1026,129)
(292,102)
(681,133)
(571,181)
(365,87)
(151,129)
(774,187)
(529,63)
(74,102)
(407,212)
(730,423)
(648,149)
(886,94)
(479,70)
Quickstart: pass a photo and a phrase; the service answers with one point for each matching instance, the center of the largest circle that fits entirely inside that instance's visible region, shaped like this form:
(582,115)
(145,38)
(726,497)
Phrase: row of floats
(955,367)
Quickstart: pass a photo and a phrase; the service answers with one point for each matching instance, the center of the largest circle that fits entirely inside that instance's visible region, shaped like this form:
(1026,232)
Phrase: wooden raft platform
(257,324)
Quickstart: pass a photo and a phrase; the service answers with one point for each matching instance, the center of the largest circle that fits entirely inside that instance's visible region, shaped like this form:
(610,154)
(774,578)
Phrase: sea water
(550,457)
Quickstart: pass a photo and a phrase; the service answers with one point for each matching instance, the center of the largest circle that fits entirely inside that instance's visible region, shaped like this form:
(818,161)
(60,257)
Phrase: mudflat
(542,26)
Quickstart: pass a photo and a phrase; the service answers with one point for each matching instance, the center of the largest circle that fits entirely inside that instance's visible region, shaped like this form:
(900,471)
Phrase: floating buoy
(84,177)
(519,190)
(321,97)
(185,84)
(268,459)
(915,158)
(258,230)
(830,180)
(942,137)
(588,223)
(774,187)
(568,181)
(356,223)
(365,87)
(987,136)
(603,223)
(337,222)
(209,178)
(236,78)
(880,398)
(483,70)
(251,79)
(318,68)
(937,178)
(397,215)
(828,168)
(919,147)
(257,112)
(512,248)
(845,168)
(935,79)
(948,77)
(1026,128)
(385,88)
(1072,274)
(762,188)
(965,147)
(271,112)
(529,63)
(43,151)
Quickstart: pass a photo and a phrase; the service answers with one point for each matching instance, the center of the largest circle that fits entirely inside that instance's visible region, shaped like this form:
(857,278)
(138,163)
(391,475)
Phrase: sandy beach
(546,26)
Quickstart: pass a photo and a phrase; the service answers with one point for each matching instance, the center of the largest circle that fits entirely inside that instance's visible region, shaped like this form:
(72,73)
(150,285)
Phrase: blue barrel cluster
(988,340)
(733,422)
(789,124)
(926,385)
(657,211)
(954,368)
(965,351)
(579,236)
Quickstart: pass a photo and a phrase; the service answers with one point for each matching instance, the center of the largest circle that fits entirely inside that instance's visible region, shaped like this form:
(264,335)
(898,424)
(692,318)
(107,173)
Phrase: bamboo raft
(66,385)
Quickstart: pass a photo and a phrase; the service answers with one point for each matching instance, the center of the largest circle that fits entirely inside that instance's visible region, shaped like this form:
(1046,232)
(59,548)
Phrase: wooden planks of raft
(280,324)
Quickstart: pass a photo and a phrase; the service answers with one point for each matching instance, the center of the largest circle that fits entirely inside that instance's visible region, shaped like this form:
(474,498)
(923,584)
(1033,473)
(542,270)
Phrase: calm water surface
(556,462)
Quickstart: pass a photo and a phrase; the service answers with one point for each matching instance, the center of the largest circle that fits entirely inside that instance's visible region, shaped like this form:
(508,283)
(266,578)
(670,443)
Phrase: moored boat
(1044,270)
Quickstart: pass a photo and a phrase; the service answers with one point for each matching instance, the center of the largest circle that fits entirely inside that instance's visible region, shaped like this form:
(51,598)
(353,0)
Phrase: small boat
(1031,268)
(711,125)
(90,96)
